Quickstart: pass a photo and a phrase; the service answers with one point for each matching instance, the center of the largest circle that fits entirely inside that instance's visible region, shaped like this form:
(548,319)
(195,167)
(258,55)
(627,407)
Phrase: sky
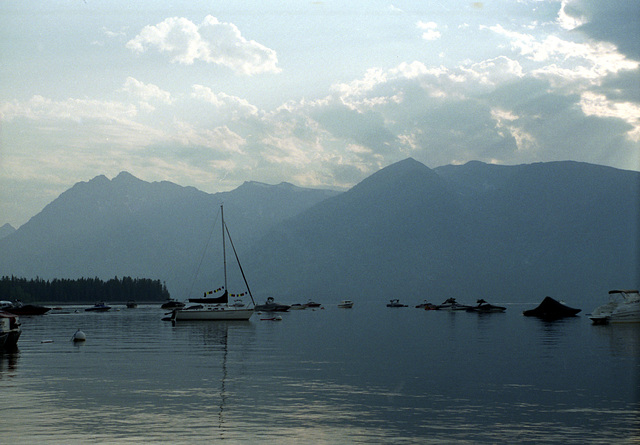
(320,94)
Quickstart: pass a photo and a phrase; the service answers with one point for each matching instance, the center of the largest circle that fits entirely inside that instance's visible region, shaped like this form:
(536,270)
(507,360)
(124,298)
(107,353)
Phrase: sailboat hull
(214,313)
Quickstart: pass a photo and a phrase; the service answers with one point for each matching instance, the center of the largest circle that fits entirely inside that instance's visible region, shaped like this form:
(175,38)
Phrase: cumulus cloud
(235,107)
(594,104)
(146,92)
(614,21)
(566,17)
(430,30)
(221,140)
(212,41)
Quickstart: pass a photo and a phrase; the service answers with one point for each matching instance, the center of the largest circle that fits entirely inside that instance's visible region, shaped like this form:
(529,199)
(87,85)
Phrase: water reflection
(8,363)
(553,332)
(623,338)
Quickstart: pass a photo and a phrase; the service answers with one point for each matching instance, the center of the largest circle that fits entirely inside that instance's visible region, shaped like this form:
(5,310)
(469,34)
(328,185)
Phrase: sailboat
(217,308)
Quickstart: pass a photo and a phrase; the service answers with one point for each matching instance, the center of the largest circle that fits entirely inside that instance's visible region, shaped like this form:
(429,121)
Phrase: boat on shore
(218,308)
(623,307)
(550,309)
(9,331)
(485,308)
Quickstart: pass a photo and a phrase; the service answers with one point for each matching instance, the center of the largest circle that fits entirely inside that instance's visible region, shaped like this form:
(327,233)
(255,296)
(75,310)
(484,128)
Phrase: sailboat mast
(224,250)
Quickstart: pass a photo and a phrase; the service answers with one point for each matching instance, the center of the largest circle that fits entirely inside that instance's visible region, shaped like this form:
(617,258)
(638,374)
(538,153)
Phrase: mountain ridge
(502,233)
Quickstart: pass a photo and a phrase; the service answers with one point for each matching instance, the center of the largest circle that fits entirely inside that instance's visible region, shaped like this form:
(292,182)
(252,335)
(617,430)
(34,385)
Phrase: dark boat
(19,308)
(485,308)
(98,307)
(131,304)
(271,306)
(172,304)
(395,303)
(551,309)
(450,304)
(9,331)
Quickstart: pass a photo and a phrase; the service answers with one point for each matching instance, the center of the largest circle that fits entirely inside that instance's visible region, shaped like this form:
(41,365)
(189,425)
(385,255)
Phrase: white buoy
(79,336)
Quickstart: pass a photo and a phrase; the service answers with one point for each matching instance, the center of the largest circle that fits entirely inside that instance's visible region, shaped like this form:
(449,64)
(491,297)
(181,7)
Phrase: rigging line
(204,252)
(239,265)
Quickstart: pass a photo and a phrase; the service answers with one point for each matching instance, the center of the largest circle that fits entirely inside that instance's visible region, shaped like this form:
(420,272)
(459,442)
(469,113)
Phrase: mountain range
(503,233)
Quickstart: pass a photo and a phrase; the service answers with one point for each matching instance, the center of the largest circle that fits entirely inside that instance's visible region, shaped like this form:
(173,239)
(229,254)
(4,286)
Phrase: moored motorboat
(98,307)
(9,330)
(131,304)
(312,304)
(623,307)
(298,307)
(20,308)
(345,304)
(172,304)
(271,306)
(450,304)
(550,309)
(395,303)
(485,308)
(427,306)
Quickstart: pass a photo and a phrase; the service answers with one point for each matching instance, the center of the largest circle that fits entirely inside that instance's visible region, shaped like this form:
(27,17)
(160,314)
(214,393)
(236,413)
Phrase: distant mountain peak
(126,177)
(406,165)
(255,184)
(6,230)
(97,179)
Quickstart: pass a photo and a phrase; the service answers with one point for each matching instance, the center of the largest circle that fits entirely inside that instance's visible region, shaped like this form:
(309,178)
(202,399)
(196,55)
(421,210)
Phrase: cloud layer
(563,88)
(211,41)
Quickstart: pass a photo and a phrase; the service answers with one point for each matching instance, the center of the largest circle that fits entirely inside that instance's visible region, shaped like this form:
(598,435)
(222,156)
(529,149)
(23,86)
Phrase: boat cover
(551,309)
(220,300)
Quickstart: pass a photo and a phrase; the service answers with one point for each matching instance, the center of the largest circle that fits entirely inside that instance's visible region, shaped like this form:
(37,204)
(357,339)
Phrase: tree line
(82,290)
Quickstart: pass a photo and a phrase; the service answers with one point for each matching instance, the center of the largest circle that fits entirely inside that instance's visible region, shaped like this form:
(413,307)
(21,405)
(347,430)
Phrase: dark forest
(82,290)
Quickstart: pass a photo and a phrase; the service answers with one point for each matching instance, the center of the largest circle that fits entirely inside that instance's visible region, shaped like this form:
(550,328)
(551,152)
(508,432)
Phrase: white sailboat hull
(213,313)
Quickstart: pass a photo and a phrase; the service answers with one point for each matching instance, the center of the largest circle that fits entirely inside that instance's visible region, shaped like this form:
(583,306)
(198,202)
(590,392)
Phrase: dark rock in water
(551,309)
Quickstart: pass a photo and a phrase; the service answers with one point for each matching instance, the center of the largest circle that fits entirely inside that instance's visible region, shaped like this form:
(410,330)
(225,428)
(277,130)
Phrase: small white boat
(346,304)
(212,312)
(623,307)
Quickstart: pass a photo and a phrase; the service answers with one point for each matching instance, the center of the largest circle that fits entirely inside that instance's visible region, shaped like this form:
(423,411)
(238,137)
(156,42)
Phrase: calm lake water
(370,374)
